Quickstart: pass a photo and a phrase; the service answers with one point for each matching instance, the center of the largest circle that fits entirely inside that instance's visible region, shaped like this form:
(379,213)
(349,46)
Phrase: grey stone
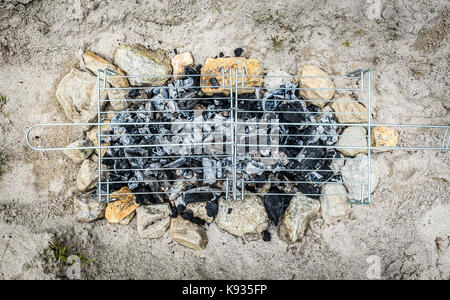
(78,156)
(153,220)
(87,176)
(188,234)
(127,219)
(138,60)
(242,217)
(333,201)
(87,208)
(297,217)
(117,99)
(356,171)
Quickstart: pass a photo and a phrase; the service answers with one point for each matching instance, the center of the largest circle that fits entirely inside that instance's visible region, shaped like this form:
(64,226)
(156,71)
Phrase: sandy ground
(405,44)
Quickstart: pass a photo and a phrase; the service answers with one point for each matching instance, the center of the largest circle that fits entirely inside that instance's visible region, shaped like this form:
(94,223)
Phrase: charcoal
(266,236)
(189,216)
(214,82)
(133,94)
(176,164)
(212,208)
(180,209)
(255,168)
(221,54)
(238,52)
(198,197)
(276,205)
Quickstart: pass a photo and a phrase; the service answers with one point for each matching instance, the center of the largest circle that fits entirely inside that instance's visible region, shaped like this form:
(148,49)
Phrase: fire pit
(222,140)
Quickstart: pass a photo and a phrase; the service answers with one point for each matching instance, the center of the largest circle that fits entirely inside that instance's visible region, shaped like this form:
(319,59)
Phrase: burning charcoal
(189,216)
(209,171)
(266,236)
(238,52)
(276,205)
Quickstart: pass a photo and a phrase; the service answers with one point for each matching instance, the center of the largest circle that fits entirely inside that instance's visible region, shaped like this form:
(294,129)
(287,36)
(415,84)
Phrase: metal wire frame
(233,184)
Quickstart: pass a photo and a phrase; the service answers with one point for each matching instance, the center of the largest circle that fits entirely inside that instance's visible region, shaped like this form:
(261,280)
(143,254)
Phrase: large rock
(180,62)
(273,80)
(139,61)
(213,66)
(333,201)
(242,217)
(121,207)
(93,137)
(87,208)
(188,234)
(355,172)
(353,136)
(315,88)
(348,110)
(77,94)
(118,99)
(94,62)
(199,210)
(78,156)
(153,220)
(297,217)
(384,137)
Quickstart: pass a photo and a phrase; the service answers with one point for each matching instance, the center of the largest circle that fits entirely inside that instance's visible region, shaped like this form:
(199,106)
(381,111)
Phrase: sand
(405,44)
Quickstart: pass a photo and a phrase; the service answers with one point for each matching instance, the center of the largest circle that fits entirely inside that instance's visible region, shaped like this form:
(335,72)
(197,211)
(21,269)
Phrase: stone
(323,87)
(297,217)
(242,217)
(214,66)
(93,137)
(78,156)
(273,80)
(356,170)
(180,62)
(384,137)
(333,202)
(94,62)
(118,99)
(127,220)
(139,61)
(153,220)
(87,175)
(121,207)
(78,96)
(188,234)
(353,136)
(348,110)
(87,208)
(199,210)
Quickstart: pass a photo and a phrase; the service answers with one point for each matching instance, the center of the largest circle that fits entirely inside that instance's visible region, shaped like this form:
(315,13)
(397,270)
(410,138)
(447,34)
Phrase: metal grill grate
(239,140)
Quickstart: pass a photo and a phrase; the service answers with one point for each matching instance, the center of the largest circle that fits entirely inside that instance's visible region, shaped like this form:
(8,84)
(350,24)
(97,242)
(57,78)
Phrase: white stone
(273,80)
(139,61)
(78,95)
(348,110)
(181,61)
(353,136)
(297,217)
(199,210)
(87,176)
(242,217)
(356,171)
(333,201)
(153,220)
